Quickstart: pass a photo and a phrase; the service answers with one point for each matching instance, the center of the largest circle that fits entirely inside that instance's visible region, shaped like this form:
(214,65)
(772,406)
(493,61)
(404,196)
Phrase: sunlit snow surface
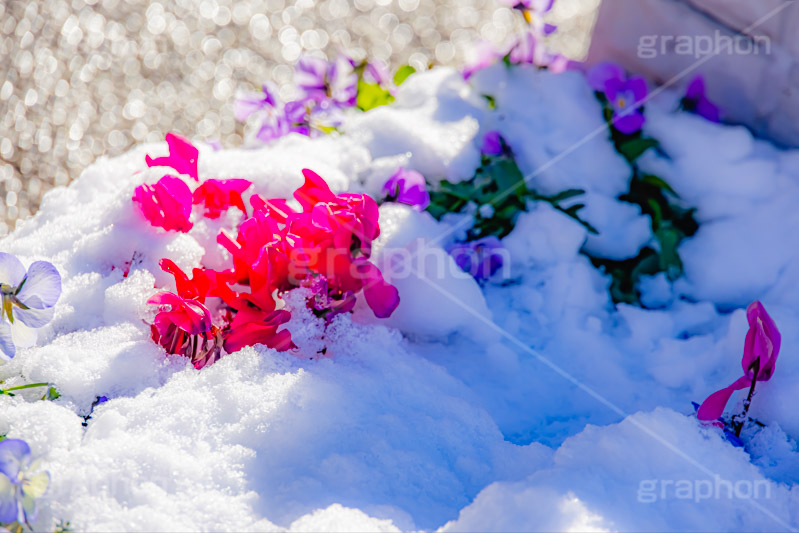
(527,405)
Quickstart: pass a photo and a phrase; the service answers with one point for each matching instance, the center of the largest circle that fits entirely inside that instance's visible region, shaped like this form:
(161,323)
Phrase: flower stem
(739,425)
(29,386)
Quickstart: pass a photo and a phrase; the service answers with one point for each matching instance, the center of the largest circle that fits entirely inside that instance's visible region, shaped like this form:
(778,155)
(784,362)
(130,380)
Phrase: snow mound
(528,403)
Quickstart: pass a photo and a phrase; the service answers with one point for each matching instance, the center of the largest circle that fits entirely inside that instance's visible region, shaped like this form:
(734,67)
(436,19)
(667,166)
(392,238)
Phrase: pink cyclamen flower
(182,156)
(761,348)
(696,101)
(625,95)
(407,187)
(219,195)
(492,144)
(382,297)
(253,326)
(186,314)
(166,204)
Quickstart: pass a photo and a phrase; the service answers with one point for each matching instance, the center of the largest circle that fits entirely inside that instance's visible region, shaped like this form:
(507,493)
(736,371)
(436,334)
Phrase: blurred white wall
(748,51)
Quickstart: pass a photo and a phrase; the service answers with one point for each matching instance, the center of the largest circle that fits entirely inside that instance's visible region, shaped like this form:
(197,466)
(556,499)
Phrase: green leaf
(402,74)
(565,195)
(52,394)
(669,239)
(372,95)
(657,214)
(655,181)
(505,173)
(633,149)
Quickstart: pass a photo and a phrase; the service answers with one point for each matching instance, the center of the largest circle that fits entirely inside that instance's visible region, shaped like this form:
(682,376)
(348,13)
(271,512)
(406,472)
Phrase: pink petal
(713,407)
(763,339)
(313,191)
(182,156)
(382,297)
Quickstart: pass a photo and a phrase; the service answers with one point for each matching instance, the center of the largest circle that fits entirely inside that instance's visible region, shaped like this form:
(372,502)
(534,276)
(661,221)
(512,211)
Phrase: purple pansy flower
(333,81)
(20,482)
(377,72)
(482,55)
(696,100)
(625,95)
(532,11)
(538,6)
(480,258)
(407,187)
(27,300)
(492,144)
(247,104)
(525,50)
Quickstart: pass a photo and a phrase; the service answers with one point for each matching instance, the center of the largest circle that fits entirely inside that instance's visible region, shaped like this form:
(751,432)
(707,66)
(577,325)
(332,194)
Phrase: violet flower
(539,6)
(526,50)
(532,11)
(492,144)
(696,101)
(247,104)
(481,56)
(305,117)
(407,187)
(21,484)
(333,81)
(27,300)
(625,95)
(377,72)
(761,348)
(480,258)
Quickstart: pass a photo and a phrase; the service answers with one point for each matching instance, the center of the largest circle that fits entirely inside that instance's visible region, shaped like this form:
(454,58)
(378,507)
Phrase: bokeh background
(82,79)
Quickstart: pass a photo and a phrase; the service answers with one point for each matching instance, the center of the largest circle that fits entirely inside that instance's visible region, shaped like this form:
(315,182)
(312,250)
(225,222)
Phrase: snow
(530,403)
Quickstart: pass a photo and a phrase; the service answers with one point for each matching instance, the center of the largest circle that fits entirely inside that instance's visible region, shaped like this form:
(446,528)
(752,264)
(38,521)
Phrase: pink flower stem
(739,424)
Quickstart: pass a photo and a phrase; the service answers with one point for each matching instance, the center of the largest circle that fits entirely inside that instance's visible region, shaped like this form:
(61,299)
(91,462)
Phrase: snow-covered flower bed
(511,341)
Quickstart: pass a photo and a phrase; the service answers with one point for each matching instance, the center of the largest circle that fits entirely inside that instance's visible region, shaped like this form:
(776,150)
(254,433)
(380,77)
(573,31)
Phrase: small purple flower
(532,10)
(249,103)
(407,187)
(492,144)
(538,6)
(625,95)
(27,300)
(377,72)
(321,301)
(334,81)
(20,482)
(482,55)
(696,100)
(480,258)
(525,50)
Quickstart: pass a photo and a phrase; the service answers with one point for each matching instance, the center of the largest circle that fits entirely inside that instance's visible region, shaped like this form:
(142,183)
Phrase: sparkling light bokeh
(85,78)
